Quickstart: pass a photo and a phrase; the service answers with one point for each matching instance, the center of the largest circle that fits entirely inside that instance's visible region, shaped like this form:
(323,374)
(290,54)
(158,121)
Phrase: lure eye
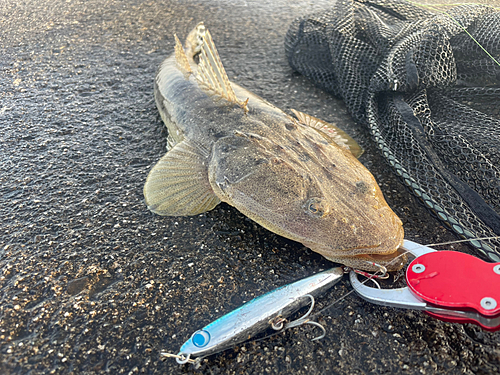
(201,338)
(317,207)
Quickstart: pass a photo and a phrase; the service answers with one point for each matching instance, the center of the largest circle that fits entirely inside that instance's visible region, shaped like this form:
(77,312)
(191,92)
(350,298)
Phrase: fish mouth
(384,257)
(391,261)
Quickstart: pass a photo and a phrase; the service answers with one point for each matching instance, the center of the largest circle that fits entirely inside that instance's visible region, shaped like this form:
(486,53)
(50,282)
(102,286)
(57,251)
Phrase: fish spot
(254,136)
(362,187)
(327,173)
(304,156)
(318,147)
(290,126)
(219,135)
(225,148)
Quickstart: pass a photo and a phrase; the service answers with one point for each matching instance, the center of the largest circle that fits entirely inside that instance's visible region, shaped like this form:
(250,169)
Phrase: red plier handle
(448,285)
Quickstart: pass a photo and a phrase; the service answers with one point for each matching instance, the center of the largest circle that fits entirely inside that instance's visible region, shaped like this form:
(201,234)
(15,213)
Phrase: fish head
(309,191)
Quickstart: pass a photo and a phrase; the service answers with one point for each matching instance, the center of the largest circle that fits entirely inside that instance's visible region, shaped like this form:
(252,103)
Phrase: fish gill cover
(429,93)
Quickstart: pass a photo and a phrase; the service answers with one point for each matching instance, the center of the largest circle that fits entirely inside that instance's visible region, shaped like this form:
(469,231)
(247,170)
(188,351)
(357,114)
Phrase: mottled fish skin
(283,173)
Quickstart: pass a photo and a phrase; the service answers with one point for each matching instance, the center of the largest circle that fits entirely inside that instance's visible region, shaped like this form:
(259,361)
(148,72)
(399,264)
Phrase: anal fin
(330,132)
(178,184)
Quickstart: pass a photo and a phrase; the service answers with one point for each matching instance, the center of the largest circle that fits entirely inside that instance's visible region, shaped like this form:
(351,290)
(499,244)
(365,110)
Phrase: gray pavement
(92,282)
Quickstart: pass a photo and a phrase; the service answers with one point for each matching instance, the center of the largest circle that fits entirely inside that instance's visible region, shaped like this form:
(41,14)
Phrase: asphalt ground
(92,282)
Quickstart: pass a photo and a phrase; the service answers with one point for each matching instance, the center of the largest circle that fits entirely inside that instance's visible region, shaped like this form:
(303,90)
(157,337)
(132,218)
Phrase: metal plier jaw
(448,285)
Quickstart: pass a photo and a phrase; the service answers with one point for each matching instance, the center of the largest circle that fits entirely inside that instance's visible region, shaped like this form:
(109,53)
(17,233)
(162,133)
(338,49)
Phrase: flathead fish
(297,177)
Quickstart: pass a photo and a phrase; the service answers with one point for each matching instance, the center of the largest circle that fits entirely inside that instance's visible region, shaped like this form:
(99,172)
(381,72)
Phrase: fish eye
(200,338)
(317,207)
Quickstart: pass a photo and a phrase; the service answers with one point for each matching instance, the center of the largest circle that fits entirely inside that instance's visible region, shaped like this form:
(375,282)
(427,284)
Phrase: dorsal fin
(330,132)
(211,72)
(181,58)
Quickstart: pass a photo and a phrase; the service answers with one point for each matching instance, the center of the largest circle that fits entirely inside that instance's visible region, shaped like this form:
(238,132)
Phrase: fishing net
(427,91)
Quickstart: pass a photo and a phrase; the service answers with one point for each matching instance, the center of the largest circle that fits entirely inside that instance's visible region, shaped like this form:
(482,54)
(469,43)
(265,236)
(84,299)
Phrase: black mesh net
(428,92)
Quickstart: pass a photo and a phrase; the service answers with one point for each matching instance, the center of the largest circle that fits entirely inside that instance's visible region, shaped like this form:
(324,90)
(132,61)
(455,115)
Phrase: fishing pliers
(448,285)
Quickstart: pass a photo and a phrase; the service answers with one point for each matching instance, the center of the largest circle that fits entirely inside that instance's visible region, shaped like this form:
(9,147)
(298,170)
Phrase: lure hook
(305,320)
(382,270)
(316,324)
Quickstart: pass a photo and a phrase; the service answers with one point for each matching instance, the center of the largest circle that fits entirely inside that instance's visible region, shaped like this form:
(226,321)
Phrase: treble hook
(305,320)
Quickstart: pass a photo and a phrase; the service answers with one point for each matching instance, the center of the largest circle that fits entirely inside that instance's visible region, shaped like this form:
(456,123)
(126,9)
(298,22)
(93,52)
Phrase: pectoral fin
(330,132)
(178,184)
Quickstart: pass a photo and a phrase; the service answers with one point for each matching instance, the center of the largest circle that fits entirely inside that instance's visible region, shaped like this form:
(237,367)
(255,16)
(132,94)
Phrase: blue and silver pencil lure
(257,315)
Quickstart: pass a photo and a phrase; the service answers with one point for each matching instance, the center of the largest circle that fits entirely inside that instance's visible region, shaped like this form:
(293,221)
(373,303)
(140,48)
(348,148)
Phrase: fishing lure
(257,315)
